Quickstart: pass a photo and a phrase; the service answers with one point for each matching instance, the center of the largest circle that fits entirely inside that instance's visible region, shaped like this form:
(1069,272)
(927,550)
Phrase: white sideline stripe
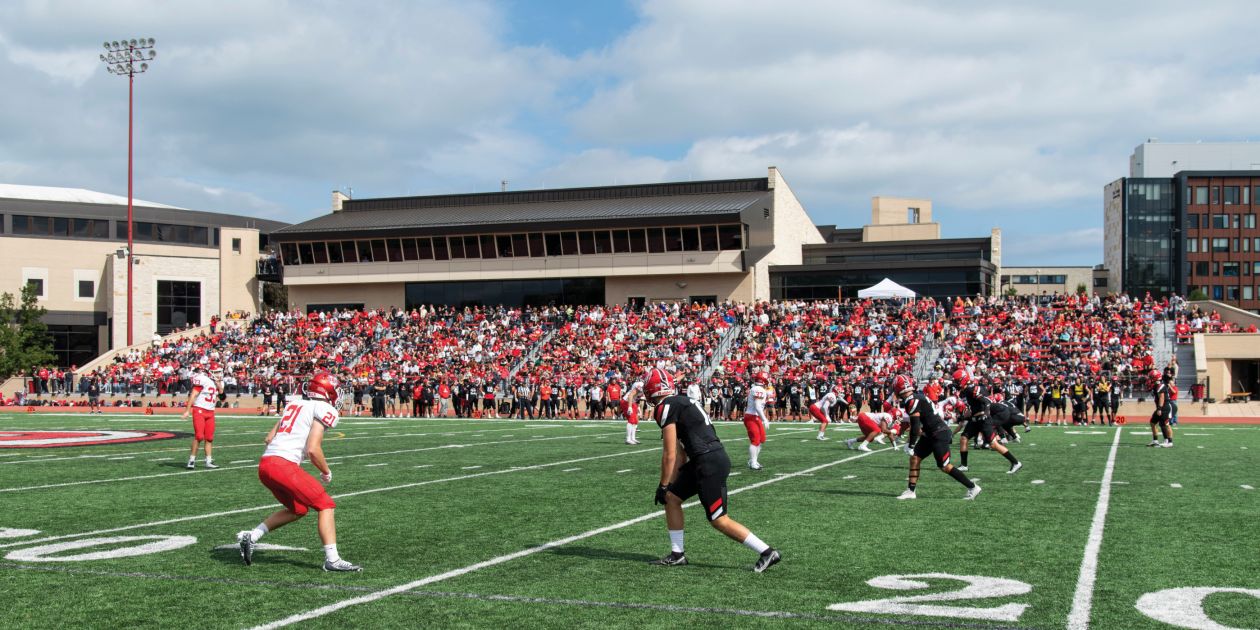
(239,461)
(45,458)
(121,458)
(624,471)
(571,469)
(1083,600)
(470,467)
(1246,487)
(372,465)
(402,588)
(331,461)
(1174,485)
(271,506)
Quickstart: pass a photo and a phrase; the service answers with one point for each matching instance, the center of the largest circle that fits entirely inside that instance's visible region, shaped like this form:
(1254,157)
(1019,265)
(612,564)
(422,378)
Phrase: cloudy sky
(1004,114)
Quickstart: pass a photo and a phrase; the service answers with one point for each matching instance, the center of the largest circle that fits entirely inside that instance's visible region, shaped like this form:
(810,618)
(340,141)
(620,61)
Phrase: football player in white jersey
(629,409)
(820,410)
(299,435)
(874,424)
(207,387)
(755,419)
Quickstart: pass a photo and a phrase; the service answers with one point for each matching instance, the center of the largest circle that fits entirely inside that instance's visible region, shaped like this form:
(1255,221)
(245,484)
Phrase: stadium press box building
(70,244)
(734,239)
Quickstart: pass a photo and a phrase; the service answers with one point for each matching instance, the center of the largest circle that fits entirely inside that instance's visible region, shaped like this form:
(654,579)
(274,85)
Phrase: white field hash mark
(403,588)
(1083,599)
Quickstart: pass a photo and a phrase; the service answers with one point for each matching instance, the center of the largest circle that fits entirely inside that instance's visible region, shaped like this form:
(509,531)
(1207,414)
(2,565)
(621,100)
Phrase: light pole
(127,58)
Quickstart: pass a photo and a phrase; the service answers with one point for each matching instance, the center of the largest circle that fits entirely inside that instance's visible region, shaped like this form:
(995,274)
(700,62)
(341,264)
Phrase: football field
(551,524)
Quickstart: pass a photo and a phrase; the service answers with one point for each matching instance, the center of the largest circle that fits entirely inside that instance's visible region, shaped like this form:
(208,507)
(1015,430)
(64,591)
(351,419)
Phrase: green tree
(1082,289)
(24,340)
(1197,295)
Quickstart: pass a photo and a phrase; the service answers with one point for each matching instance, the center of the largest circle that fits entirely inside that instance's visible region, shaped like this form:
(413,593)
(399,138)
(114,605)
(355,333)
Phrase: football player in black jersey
(928,435)
(979,424)
(701,468)
(1163,411)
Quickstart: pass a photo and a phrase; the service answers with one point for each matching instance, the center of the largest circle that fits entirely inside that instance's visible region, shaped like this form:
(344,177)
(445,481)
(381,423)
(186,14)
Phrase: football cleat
(754,465)
(822,438)
(850,443)
(863,447)
(1153,443)
(879,439)
(1167,444)
(341,565)
(246,542)
(908,494)
(192,464)
(769,558)
(211,464)
(961,468)
(1015,468)
(674,559)
(972,493)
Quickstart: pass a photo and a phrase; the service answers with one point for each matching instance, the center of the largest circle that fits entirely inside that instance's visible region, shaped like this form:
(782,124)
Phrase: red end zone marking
(55,439)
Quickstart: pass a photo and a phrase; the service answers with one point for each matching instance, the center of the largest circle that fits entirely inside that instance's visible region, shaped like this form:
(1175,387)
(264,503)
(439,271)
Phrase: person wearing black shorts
(928,435)
(701,468)
(94,395)
(1005,417)
(979,426)
(1163,412)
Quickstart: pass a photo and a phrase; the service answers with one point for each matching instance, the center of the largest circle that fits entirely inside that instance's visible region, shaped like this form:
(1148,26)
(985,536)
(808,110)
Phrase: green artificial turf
(435,496)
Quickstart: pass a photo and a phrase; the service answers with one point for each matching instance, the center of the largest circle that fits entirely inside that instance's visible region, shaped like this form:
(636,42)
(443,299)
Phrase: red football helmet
(761,378)
(888,406)
(323,385)
(902,384)
(961,378)
(658,384)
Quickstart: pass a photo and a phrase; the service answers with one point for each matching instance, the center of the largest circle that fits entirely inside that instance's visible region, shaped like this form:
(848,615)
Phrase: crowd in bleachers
(492,360)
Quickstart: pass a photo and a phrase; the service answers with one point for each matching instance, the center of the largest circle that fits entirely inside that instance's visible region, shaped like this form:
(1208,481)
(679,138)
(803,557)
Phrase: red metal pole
(131,248)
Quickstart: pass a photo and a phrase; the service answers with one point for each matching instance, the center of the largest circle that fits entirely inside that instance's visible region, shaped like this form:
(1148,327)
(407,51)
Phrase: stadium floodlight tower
(127,58)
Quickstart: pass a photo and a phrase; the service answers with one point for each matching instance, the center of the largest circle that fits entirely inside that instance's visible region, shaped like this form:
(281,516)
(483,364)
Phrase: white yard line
(374,465)
(272,506)
(331,460)
(402,588)
(260,446)
(1083,600)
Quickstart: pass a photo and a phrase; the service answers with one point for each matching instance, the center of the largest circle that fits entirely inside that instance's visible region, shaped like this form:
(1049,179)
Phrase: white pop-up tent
(887,289)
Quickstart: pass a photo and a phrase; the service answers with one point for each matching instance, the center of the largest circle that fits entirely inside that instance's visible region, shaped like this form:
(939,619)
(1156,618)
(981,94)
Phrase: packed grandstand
(574,361)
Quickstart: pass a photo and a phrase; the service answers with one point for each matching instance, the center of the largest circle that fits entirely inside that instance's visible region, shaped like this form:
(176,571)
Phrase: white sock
(676,540)
(258,531)
(754,543)
(752,453)
(330,553)
(629,432)
(820,434)
(634,433)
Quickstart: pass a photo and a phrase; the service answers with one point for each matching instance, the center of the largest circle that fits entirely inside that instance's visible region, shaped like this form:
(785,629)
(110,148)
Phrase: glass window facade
(535,244)
(1151,257)
(178,305)
(73,345)
(826,285)
(587,291)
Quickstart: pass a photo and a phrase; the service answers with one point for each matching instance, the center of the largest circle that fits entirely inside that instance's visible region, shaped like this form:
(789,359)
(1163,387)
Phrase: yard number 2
(977,587)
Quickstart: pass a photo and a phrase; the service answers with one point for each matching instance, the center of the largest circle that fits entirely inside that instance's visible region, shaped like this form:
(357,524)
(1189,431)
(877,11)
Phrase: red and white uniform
(280,469)
(875,422)
(203,406)
(755,419)
(821,408)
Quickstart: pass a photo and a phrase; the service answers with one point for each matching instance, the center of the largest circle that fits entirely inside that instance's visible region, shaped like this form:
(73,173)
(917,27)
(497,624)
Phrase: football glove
(326,477)
(909,450)
(222,397)
(660,494)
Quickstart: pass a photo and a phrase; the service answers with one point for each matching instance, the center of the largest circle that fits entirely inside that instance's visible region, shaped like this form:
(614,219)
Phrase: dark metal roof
(546,211)
(550,195)
(75,210)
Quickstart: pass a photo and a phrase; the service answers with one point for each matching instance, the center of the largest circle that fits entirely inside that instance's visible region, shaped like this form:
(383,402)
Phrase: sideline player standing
(701,469)
(1163,412)
(299,434)
(201,400)
(755,420)
(928,434)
